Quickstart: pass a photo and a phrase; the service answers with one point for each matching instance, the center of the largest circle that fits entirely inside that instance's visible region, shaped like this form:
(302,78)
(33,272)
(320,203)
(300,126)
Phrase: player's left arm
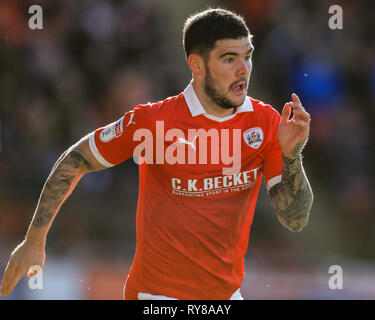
(292,197)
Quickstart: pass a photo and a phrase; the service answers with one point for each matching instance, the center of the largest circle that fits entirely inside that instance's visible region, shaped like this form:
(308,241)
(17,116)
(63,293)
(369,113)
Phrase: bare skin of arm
(65,174)
(292,198)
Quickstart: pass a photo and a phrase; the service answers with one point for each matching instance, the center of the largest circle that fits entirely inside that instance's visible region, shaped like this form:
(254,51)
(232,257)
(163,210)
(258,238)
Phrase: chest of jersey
(202,157)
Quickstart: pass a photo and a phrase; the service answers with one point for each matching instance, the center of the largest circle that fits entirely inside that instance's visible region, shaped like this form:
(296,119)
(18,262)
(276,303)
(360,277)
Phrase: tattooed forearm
(292,197)
(64,176)
(296,152)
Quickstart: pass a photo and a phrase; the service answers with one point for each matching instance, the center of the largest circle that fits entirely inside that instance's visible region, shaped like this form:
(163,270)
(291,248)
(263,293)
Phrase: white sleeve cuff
(273,181)
(96,153)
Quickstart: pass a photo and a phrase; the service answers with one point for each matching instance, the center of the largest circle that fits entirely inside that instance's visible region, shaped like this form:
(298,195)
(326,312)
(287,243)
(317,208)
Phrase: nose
(244,68)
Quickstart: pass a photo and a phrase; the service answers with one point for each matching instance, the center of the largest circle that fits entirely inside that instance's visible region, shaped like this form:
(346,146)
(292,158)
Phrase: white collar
(197,109)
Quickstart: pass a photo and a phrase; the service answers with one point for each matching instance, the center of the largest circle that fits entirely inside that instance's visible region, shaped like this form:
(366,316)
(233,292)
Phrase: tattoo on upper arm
(292,197)
(64,176)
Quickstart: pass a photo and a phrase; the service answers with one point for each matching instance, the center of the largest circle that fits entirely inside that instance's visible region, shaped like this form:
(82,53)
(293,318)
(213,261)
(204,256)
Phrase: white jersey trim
(273,181)
(96,152)
(196,108)
(212,117)
(147,296)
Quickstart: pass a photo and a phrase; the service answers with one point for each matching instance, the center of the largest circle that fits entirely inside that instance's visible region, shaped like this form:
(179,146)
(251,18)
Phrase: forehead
(239,46)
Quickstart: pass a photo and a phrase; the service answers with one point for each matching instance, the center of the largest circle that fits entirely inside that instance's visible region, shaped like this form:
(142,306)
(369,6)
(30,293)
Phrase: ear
(196,64)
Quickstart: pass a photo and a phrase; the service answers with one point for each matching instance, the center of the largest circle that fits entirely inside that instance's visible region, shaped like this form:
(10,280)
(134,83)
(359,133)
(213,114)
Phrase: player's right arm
(64,176)
(105,147)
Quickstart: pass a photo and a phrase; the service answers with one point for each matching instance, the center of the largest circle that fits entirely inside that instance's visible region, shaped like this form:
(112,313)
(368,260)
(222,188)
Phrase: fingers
(296,106)
(296,99)
(296,102)
(299,112)
(285,114)
(8,273)
(301,115)
(12,276)
(20,261)
(301,123)
(20,272)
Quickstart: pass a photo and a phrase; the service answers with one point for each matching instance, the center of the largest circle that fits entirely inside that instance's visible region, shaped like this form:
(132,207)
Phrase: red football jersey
(199,178)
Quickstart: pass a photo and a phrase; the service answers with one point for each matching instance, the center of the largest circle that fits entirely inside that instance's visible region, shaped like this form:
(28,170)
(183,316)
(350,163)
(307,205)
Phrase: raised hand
(293,133)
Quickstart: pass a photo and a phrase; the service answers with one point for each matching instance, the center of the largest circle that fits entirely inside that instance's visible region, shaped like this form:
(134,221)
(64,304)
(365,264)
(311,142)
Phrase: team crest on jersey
(253,137)
(113,130)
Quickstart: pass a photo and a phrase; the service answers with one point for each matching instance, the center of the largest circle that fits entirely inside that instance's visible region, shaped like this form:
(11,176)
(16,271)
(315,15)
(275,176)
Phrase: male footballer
(201,155)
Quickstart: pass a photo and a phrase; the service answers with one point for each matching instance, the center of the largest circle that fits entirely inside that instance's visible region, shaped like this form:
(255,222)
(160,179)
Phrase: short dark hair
(203,29)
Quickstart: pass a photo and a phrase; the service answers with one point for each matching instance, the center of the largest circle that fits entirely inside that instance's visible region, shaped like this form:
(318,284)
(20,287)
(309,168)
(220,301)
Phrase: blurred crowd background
(95,60)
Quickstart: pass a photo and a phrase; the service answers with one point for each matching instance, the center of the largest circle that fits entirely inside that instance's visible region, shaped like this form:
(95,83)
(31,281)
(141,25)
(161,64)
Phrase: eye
(247,58)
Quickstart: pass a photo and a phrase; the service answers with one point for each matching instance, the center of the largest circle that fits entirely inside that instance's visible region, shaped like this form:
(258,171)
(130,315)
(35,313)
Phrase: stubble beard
(221,100)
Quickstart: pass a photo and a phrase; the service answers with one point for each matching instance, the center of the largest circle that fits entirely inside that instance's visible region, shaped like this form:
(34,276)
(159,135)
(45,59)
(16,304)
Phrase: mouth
(239,88)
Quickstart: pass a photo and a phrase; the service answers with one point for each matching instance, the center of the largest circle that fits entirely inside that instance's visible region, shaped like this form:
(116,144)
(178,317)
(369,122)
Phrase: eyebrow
(235,53)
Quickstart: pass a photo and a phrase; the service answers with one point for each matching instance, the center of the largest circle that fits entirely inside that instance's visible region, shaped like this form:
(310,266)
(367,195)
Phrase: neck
(210,106)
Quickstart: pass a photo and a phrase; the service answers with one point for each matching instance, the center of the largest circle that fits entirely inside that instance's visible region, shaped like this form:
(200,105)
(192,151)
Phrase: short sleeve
(273,162)
(114,143)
